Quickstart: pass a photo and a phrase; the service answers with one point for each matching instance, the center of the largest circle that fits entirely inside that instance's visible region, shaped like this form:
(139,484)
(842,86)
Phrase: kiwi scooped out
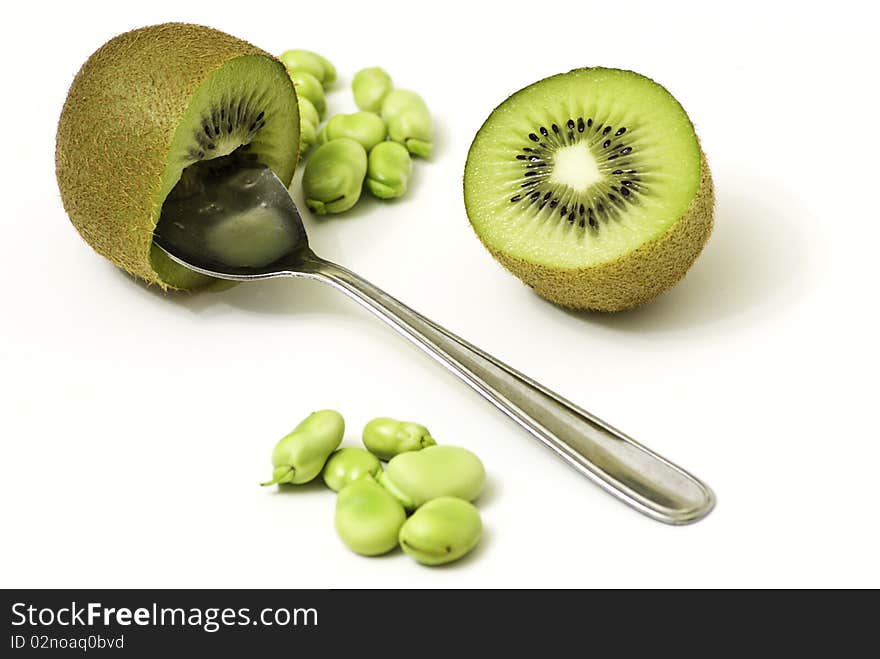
(143,108)
(591,187)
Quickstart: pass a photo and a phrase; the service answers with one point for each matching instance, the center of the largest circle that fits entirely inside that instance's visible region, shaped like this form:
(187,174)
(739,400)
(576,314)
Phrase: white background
(135,426)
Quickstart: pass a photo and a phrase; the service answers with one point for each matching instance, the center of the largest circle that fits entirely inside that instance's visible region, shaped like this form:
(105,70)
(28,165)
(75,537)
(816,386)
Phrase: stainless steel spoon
(234,219)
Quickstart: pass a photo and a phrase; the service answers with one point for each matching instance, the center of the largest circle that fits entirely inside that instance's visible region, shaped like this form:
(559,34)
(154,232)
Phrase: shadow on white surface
(285,296)
(756,264)
(288,297)
(489,494)
(314,487)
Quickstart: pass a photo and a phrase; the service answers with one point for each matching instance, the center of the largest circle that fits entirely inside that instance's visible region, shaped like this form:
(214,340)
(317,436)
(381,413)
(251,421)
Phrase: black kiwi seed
(605,201)
(233,120)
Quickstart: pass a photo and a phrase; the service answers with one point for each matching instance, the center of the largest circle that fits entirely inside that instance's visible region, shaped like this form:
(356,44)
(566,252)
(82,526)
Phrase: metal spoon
(233,219)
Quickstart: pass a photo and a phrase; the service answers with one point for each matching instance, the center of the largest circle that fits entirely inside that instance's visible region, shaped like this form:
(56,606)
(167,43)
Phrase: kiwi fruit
(150,103)
(591,187)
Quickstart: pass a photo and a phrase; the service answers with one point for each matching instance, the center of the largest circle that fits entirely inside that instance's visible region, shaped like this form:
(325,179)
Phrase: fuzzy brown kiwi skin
(110,154)
(634,278)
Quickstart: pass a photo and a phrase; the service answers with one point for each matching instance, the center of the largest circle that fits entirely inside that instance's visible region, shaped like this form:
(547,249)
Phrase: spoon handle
(621,466)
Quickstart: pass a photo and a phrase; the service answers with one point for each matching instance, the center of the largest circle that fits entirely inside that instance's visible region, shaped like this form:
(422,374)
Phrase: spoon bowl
(232,218)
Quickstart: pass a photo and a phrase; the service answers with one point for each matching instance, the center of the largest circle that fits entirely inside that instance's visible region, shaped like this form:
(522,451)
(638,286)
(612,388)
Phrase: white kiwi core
(575,167)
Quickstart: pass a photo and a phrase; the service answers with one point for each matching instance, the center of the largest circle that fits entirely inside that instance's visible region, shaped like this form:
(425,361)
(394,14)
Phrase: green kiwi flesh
(591,187)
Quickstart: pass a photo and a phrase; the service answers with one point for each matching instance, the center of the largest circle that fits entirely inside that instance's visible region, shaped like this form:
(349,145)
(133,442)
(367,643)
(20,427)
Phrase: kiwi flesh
(591,187)
(143,108)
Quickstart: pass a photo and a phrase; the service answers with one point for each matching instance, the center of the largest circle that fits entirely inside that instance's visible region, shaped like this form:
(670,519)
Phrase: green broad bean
(388,170)
(302,60)
(308,124)
(300,455)
(308,86)
(308,112)
(307,136)
(417,477)
(368,518)
(306,60)
(386,438)
(367,128)
(409,121)
(329,70)
(349,464)
(441,531)
(370,86)
(334,176)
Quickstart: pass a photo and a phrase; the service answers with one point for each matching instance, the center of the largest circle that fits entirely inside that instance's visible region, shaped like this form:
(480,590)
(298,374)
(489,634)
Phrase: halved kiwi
(591,187)
(150,103)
